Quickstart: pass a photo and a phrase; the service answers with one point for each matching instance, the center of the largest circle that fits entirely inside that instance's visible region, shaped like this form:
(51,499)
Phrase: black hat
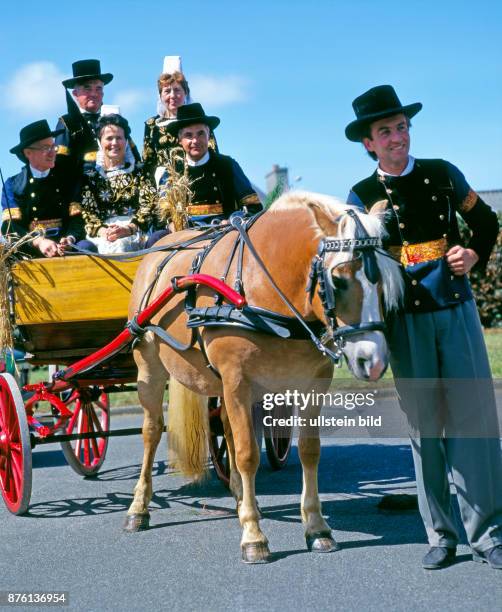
(85,70)
(188,114)
(377,103)
(33,133)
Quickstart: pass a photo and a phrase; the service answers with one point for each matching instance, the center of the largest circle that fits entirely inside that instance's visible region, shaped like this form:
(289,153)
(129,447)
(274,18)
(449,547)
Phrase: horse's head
(352,281)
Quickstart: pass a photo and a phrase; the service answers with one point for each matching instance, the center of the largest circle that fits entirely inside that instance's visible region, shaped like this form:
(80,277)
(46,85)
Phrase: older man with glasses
(40,197)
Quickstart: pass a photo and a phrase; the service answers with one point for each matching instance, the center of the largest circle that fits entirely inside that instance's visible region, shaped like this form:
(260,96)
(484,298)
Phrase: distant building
(493,197)
(277,176)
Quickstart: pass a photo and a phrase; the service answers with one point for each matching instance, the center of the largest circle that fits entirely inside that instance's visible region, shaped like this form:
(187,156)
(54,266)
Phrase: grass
(342,378)
(493,339)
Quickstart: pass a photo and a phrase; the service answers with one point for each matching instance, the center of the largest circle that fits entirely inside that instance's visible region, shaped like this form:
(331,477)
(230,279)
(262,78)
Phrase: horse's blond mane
(331,206)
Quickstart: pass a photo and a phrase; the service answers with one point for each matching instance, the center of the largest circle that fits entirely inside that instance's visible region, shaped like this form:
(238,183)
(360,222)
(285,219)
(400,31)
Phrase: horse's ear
(323,220)
(379,207)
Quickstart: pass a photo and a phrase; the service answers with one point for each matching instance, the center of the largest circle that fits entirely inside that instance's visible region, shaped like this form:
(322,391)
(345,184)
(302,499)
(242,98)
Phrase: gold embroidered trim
(252,198)
(63,150)
(420,252)
(75,209)
(90,157)
(14,214)
(205,209)
(45,224)
(469,201)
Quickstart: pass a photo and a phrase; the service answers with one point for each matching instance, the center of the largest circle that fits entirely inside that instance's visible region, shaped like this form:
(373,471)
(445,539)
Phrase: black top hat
(85,70)
(377,103)
(33,133)
(188,114)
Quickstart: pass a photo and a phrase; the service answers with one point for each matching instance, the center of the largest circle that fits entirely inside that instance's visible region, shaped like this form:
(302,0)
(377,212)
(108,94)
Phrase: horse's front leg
(254,544)
(317,532)
(151,386)
(235,484)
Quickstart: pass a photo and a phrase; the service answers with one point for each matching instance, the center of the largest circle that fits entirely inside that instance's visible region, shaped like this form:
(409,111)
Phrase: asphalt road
(71,540)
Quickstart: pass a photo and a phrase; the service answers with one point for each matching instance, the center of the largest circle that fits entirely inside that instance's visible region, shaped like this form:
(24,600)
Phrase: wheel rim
(218,444)
(278,441)
(15,447)
(89,416)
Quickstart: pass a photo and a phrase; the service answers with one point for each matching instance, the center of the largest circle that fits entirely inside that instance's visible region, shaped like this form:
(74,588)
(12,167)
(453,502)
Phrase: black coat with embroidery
(221,185)
(421,207)
(29,203)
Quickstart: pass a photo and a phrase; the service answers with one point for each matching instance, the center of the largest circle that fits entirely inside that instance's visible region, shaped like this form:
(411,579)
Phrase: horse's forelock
(392,282)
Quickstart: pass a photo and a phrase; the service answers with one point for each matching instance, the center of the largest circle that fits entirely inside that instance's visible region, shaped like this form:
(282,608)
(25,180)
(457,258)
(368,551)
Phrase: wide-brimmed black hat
(188,114)
(85,70)
(377,103)
(33,133)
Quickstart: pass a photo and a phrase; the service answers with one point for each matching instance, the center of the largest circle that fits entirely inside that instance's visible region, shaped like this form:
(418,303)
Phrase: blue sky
(280,75)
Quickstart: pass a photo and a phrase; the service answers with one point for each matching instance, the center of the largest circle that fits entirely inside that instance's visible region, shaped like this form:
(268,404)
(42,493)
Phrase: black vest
(421,207)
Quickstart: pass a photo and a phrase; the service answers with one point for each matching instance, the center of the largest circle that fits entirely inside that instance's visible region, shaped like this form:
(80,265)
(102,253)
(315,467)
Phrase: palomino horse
(305,241)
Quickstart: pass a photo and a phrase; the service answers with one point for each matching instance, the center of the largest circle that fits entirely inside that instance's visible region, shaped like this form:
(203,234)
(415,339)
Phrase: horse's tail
(188,431)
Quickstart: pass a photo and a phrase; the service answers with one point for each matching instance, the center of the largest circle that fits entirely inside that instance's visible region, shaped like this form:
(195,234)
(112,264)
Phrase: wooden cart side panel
(71,289)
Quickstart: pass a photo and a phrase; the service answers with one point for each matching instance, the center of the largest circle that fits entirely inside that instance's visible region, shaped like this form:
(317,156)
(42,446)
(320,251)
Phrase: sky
(281,75)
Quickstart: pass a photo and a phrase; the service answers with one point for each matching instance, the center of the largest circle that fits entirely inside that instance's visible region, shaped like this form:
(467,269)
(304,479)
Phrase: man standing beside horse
(437,336)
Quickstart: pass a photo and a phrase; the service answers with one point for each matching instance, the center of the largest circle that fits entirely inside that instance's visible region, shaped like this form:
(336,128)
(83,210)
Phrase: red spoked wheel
(278,440)
(91,414)
(217,443)
(15,447)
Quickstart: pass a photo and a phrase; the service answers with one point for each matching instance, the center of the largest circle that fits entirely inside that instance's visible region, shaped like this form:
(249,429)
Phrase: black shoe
(492,556)
(439,557)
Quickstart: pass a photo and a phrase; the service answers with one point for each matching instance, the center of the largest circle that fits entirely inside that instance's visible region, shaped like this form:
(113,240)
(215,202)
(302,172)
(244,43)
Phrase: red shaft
(123,339)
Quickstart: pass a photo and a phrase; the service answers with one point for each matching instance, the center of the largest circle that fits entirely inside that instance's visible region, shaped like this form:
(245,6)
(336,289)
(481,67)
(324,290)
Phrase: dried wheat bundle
(9,245)
(175,200)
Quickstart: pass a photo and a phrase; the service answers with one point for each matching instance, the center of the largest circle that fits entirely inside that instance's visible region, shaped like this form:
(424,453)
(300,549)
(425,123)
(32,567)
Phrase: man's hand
(460,260)
(65,243)
(47,247)
(114,232)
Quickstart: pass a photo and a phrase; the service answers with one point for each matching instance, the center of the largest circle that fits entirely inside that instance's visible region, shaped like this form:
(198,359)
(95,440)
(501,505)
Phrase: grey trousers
(443,378)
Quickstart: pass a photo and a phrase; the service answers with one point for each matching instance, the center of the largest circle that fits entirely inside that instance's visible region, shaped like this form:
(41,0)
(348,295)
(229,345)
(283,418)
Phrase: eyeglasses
(45,148)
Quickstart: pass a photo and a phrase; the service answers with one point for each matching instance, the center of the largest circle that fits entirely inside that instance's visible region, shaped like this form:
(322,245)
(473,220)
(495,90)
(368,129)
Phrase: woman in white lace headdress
(173,93)
(118,198)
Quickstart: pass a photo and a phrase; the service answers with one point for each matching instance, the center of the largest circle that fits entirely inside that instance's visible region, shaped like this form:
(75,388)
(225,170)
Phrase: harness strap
(252,318)
(237,223)
(218,300)
(138,331)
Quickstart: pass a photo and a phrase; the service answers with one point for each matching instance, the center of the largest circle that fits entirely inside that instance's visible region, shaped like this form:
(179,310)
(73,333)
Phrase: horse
(308,257)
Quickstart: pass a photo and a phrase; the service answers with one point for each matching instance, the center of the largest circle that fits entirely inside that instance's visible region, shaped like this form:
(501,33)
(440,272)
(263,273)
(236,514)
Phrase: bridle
(364,247)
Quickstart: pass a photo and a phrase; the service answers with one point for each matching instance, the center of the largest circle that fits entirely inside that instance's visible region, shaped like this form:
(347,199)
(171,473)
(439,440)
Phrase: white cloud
(35,89)
(130,99)
(218,91)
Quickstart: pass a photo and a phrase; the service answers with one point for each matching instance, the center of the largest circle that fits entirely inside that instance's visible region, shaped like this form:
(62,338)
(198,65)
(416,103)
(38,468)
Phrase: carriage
(72,312)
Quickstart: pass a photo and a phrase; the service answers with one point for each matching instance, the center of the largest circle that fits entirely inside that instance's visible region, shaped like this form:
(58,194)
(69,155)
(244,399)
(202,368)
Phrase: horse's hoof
(136,522)
(321,542)
(255,552)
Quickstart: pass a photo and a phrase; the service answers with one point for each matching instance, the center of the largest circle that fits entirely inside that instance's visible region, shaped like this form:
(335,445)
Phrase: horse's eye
(339,283)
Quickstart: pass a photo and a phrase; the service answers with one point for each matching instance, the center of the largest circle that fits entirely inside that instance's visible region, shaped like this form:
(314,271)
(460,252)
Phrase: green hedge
(487,287)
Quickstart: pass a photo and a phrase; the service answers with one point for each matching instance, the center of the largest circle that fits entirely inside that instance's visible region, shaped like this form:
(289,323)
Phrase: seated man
(218,184)
(40,196)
